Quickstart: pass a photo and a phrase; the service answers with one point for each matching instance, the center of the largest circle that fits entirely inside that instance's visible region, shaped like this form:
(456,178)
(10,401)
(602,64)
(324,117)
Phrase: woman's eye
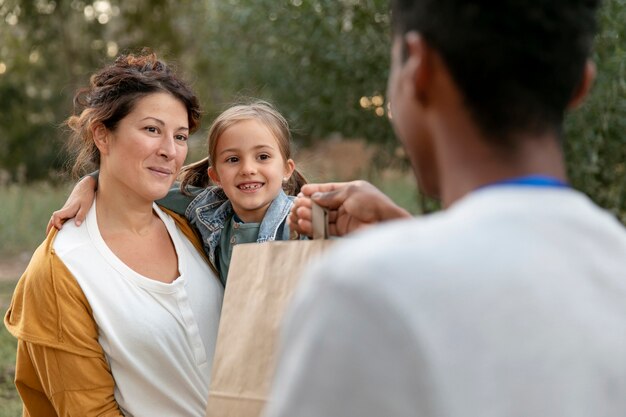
(152,129)
(182,138)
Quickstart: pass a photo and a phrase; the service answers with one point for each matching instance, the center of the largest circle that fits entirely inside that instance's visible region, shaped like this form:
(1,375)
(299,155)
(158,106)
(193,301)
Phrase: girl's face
(141,158)
(250,168)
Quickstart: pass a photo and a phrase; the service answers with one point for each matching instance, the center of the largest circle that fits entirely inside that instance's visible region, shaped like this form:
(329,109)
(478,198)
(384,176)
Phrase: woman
(120,316)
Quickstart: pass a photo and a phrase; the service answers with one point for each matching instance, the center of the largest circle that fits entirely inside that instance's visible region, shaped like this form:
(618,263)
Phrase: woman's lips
(164,172)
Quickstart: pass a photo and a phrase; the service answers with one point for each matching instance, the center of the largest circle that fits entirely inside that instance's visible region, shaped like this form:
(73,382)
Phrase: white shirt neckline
(147,283)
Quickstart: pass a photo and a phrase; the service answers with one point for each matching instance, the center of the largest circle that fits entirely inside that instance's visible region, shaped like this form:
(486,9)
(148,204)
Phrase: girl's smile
(250,187)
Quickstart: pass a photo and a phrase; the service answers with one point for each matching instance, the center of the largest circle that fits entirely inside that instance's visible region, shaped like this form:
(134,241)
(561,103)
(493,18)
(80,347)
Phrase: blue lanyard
(543,181)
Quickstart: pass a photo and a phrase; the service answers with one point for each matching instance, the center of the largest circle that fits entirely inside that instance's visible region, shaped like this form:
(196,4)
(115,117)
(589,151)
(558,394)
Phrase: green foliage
(25,214)
(48,51)
(316,59)
(323,62)
(10,403)
(595,140)
(35,72)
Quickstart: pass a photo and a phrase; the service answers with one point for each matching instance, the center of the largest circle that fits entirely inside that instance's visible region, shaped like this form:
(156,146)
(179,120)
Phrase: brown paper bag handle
(319,219)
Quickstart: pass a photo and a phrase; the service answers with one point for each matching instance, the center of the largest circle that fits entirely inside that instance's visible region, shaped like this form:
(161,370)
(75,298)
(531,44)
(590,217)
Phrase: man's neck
(466,168)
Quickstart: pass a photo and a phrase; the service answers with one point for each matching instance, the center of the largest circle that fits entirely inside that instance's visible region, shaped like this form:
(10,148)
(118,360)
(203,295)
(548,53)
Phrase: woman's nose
(168,147)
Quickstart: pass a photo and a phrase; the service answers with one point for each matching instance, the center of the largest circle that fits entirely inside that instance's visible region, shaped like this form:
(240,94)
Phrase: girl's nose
(248,167)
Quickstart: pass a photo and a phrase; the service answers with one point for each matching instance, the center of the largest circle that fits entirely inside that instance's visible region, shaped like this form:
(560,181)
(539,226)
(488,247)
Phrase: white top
(510,303)
(158,338)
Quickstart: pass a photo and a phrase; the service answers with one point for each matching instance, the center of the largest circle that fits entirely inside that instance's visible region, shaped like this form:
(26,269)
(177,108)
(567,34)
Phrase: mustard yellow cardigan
(61,369)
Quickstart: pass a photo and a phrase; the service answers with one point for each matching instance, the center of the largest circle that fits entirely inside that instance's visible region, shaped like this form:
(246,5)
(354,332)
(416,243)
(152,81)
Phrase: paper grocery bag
(261,280)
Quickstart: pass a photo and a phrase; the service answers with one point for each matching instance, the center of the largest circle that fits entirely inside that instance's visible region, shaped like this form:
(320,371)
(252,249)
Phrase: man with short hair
(509,302)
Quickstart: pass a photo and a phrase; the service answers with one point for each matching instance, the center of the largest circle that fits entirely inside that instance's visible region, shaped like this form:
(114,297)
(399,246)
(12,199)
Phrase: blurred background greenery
(324,63)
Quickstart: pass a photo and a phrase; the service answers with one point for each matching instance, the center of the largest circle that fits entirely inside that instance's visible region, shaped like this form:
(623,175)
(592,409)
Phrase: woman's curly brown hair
(112,94)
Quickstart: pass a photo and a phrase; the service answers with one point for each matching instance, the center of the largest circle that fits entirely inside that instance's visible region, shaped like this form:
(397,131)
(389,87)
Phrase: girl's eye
(264,156)
(232,159)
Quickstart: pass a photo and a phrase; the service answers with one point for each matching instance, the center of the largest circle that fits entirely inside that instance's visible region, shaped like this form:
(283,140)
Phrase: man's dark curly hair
(516,62)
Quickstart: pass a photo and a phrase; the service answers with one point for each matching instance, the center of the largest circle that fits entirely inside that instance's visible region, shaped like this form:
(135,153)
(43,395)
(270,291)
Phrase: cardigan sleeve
(61,369)
(53,382)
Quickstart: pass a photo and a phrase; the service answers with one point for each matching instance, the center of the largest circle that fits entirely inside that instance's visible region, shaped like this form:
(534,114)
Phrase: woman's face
(144,154)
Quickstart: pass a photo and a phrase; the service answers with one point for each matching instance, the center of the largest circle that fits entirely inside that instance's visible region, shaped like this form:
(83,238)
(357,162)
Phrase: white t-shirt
(510,303)
(158,338)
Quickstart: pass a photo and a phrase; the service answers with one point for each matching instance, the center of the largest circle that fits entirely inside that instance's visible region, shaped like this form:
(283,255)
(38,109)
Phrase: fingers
(81,215)
(331,199)
(69,211)
(332,195)
(50,225)
(332,230)
(332,216)
(301,215)
(350,205)
(300,226)
(305,227)
(56,220)
(309,189)
(300,219)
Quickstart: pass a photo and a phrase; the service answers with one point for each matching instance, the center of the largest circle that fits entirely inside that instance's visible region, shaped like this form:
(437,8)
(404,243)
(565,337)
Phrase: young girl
(255,180)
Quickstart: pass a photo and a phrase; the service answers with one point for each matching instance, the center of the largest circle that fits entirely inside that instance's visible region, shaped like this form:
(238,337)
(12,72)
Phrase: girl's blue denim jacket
(211,210)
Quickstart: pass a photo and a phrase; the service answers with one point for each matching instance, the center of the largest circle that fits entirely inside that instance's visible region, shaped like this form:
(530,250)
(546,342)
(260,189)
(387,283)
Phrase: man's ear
(213,175)
(584,86)
(101,138)
(418,62)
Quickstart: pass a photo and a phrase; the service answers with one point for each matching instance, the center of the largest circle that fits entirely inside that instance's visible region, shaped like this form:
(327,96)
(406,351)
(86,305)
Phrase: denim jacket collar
(276,214)
(211,210)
